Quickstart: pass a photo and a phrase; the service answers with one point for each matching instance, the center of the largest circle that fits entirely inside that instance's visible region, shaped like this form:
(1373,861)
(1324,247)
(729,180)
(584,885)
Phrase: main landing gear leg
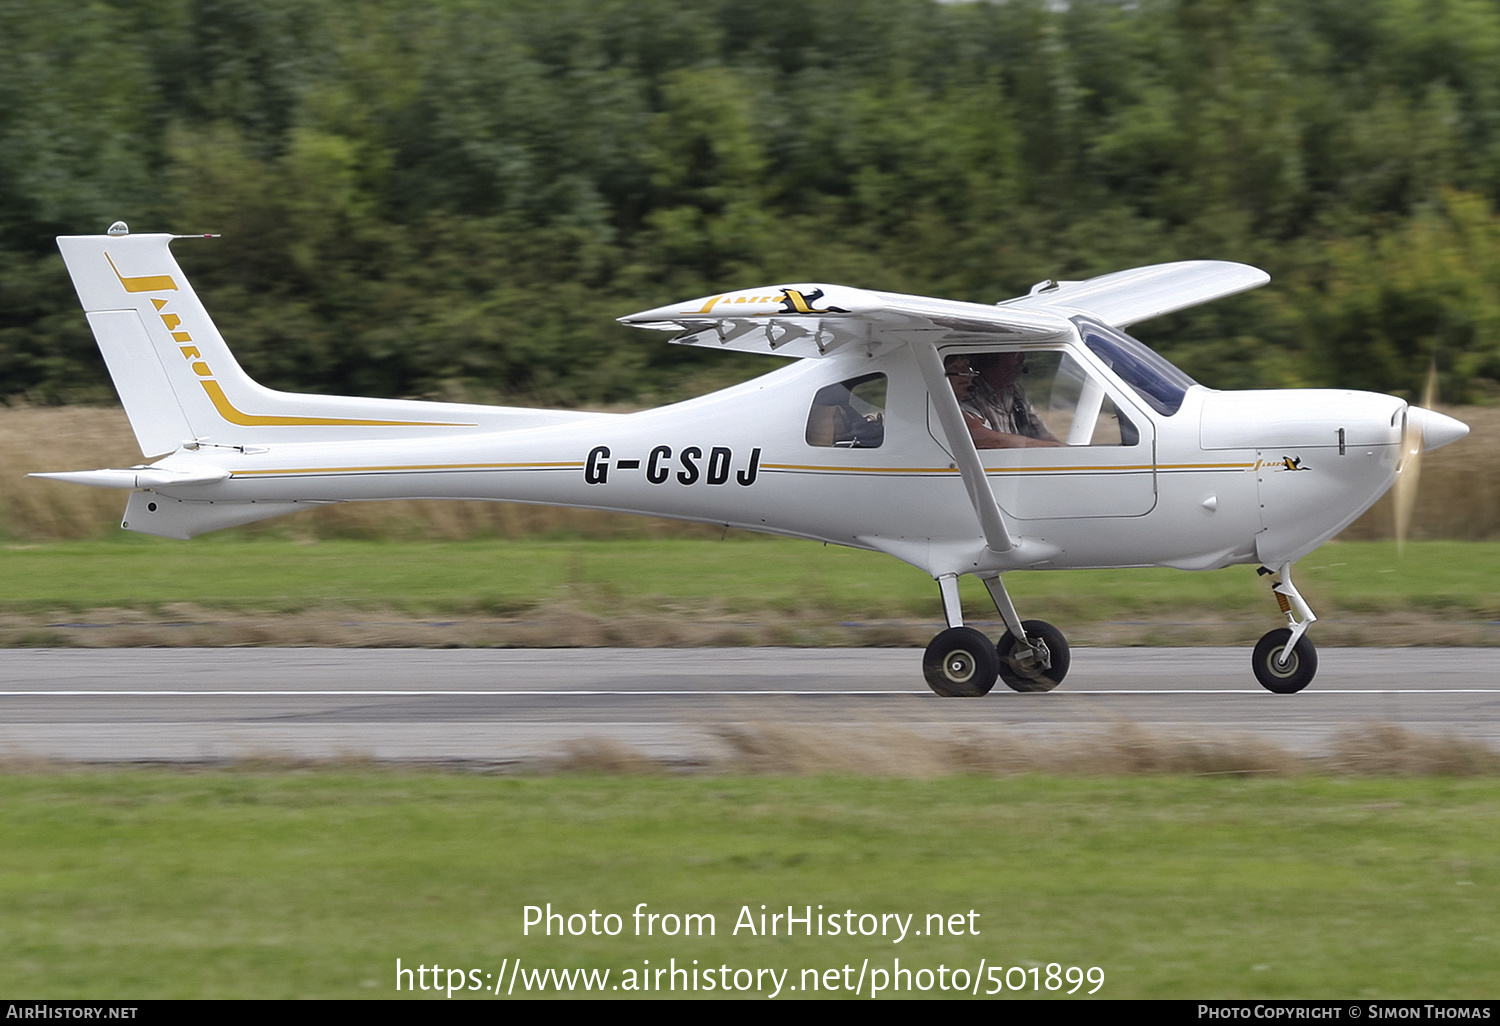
(1033,654)
(960,662)
(1285,660)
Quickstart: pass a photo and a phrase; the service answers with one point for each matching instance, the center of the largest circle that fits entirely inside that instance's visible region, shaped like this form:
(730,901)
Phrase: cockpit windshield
(1152,377)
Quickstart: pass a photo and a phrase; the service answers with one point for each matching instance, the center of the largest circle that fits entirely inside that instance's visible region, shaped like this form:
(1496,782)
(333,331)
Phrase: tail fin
(179,382)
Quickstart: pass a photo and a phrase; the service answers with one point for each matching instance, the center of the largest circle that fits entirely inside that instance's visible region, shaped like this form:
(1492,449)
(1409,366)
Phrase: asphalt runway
(503,706)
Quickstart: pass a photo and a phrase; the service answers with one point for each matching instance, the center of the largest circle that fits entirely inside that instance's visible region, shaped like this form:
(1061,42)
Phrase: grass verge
(143,883)
(652,592)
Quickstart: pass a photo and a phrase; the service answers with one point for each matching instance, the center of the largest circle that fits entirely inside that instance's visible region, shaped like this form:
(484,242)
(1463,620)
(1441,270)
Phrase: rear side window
(849,415)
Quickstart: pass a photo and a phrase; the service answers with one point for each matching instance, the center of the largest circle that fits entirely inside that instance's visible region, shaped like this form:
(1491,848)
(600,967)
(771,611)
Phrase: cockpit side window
(849,415)
(1077,404)
(1017,399)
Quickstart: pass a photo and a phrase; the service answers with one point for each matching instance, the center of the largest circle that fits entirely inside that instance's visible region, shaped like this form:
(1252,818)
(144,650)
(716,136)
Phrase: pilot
(994,404)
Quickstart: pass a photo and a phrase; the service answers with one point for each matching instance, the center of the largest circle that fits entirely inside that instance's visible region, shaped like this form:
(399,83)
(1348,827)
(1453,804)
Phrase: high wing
(818,320)
(812,320)
(1127,297)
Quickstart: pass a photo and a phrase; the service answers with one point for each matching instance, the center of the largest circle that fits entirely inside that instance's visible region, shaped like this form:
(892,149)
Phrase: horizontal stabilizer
(139,477)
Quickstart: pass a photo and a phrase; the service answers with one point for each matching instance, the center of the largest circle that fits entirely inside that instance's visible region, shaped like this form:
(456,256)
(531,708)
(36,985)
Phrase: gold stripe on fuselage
(791,467)
(405,468)
(1135,468)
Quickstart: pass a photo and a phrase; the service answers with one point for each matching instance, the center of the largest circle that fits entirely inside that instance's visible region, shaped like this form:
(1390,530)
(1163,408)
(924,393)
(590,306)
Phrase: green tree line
(457,197)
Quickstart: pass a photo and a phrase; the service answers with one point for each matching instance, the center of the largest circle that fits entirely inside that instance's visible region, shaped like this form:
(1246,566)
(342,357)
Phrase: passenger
(835,422)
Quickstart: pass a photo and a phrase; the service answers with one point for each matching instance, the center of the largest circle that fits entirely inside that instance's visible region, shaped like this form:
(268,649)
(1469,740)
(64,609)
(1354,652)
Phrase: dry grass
(609,757)
(42,438)
(897,752)
(779,749)
(36,439)
(1460,493)
(1126,750)
(550,625)
(1383,749)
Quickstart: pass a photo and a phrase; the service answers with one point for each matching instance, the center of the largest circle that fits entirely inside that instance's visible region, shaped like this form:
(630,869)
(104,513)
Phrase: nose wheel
(1285,660)
(1280,671)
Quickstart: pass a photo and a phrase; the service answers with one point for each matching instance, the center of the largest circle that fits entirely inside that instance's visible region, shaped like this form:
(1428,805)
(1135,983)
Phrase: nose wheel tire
(960,663)
(1045,668)
(1299,669)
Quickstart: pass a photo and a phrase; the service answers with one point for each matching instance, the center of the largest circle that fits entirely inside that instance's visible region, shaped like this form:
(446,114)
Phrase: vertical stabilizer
(179,382)
(170,365)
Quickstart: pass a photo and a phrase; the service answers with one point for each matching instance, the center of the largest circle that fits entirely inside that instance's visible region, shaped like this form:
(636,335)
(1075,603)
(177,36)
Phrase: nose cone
(1438,429)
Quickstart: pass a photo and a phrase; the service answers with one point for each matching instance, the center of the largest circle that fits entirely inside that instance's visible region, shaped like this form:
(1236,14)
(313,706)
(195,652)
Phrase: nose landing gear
(961,662)
(1285,660)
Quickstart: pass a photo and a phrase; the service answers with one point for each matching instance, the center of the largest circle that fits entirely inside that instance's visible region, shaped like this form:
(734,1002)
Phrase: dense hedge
(457,197)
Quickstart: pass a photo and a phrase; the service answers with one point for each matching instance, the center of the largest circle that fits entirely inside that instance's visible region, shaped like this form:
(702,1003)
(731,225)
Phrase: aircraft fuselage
(1228,478)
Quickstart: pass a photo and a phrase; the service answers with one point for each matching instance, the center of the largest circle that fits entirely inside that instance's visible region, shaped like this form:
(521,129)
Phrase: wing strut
(962,446)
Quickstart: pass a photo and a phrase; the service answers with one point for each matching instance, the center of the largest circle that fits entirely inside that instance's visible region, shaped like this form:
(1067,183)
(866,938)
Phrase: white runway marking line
(414,694)
(75,693)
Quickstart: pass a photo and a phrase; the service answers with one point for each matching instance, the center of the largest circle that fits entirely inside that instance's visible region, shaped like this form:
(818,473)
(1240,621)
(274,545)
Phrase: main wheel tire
(1028,675)
(960,663)
(1296,674)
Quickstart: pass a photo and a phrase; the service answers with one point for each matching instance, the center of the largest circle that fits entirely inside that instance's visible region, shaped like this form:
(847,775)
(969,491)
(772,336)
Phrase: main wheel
(960,663)
(1042,671)
(1299,669)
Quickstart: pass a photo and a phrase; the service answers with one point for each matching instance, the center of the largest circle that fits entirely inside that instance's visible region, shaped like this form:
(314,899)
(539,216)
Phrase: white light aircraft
(876,436)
